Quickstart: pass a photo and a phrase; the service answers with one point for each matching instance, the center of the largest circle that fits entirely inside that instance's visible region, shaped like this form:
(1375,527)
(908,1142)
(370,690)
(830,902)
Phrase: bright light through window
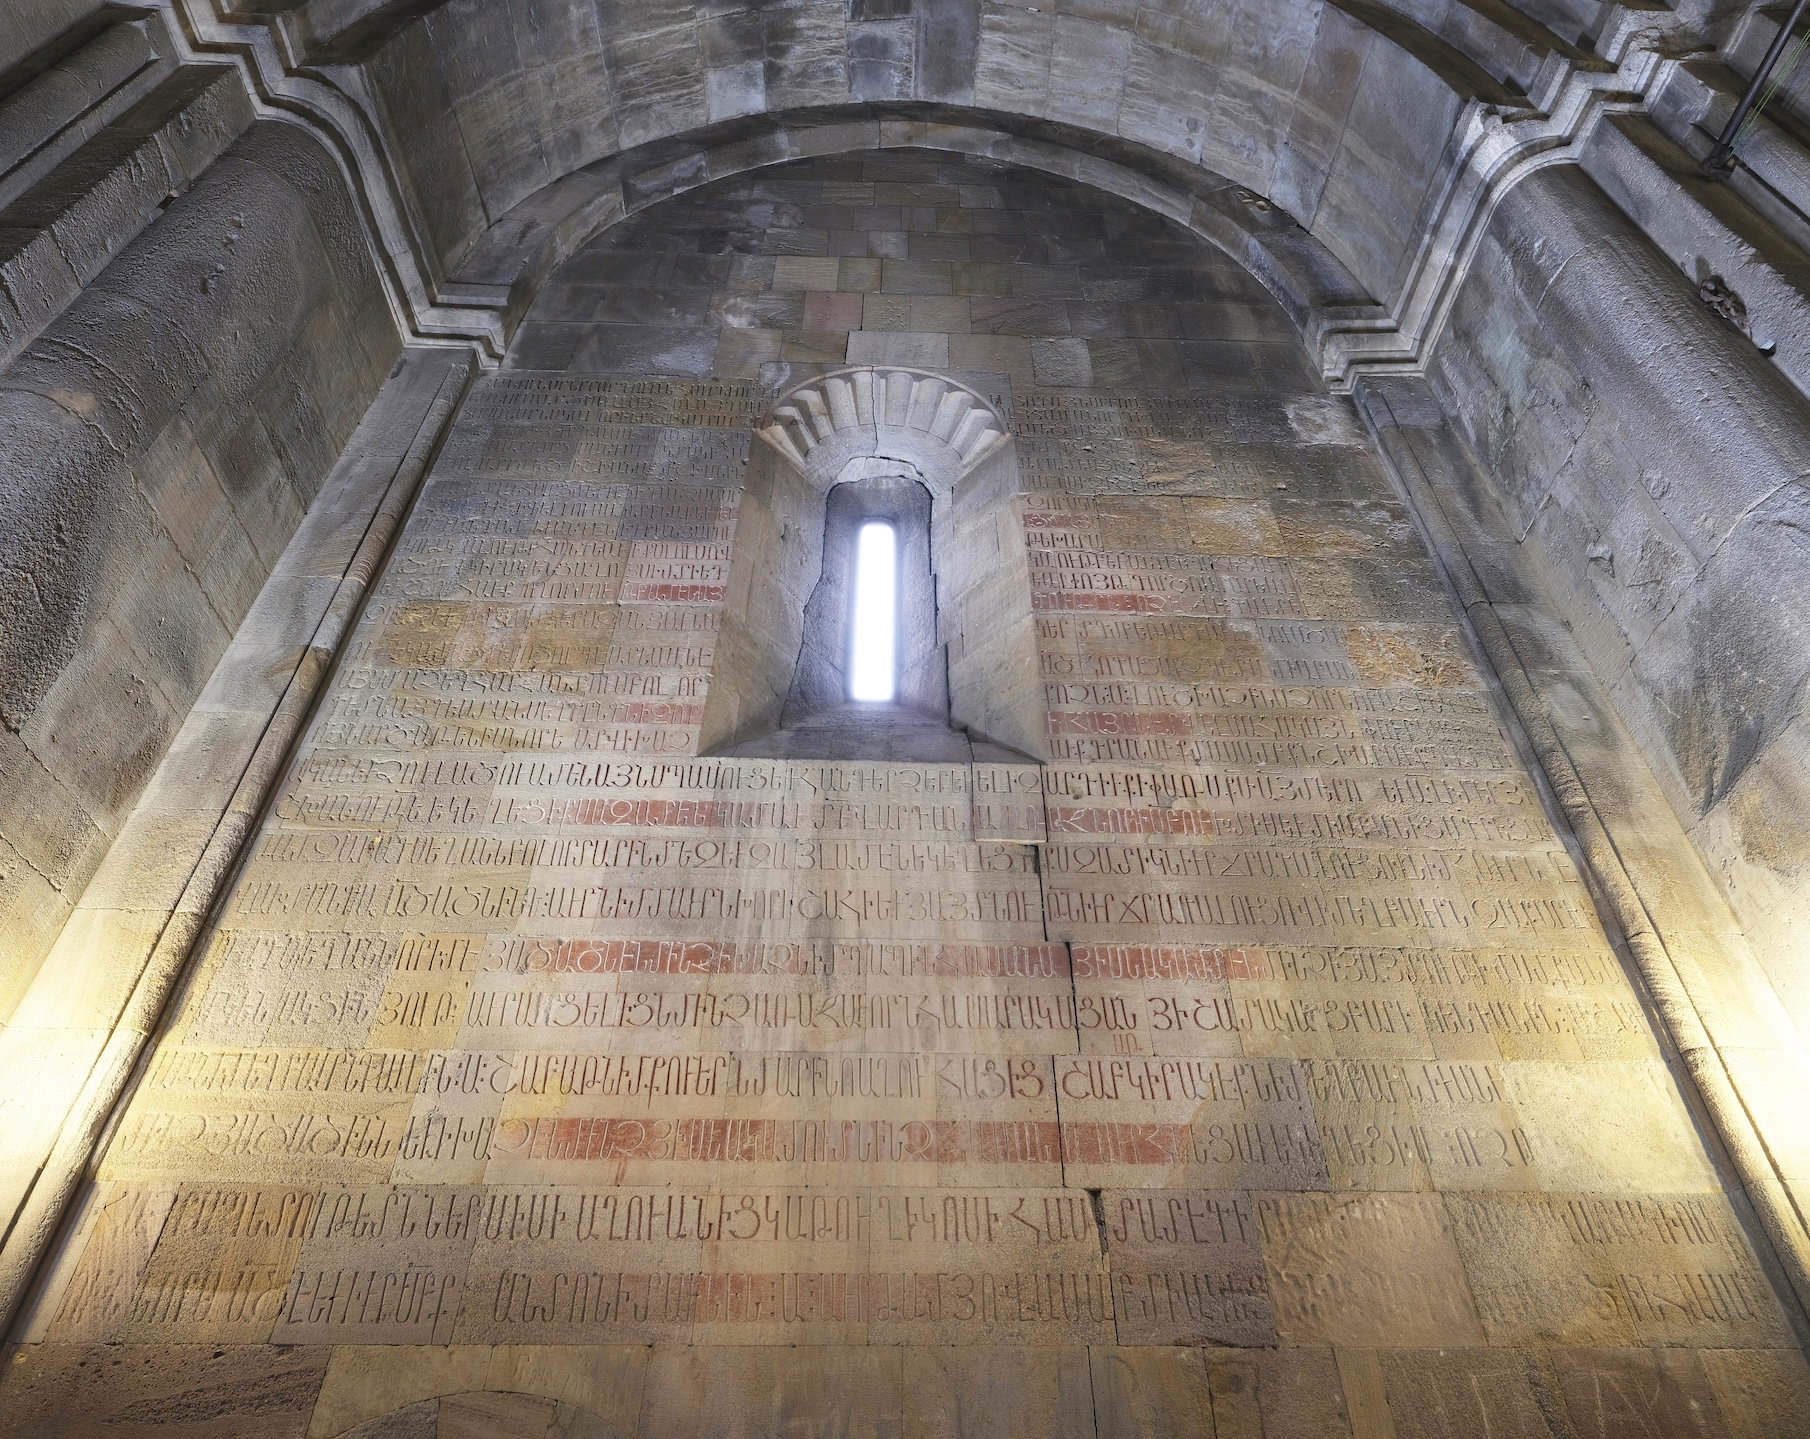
(876,618)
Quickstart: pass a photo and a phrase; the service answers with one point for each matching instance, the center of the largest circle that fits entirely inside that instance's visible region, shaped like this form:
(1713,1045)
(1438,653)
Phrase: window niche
(931,459)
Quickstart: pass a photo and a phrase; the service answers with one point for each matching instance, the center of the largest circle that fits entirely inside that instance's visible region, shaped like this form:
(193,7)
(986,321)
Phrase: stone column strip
(363,510)
(1682,994)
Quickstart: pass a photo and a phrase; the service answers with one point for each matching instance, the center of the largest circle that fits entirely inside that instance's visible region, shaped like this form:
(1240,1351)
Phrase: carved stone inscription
(1268,1011)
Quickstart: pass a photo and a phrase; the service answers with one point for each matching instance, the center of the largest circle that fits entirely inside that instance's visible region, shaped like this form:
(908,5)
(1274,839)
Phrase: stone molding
(1498,148)
(943,428)
(1492,148)
(281,90)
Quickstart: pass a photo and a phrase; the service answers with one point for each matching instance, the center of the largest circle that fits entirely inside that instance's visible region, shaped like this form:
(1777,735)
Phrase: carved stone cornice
(1494,146)
(338,113)
(1493,149)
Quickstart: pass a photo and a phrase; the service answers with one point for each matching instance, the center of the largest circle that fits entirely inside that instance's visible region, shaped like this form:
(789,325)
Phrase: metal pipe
(1721,158)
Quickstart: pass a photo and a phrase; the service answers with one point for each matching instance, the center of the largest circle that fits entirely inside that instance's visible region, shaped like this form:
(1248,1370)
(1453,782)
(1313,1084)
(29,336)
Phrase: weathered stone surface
(165,436)
(1298,101)
(1666,536)
(1255,1063)
(161,1389)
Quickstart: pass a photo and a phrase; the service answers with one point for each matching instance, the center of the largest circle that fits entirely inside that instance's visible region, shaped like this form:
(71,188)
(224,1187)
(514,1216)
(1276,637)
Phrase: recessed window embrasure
(879,601)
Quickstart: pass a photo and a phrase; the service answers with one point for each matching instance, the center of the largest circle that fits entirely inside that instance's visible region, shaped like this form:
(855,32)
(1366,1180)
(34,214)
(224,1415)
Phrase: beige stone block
(1114,364)
(836,310)
(1588,1270)
(1376,1271)
(885,312)
(209,754)
(497,1416)
(1062,362)
(1148,1017)
(952,1393)
(450,1133)
(1204,1123)
(815,347)
(1618,1127)
(886,1138)
(1186,1268)
(48,832)
(1139,1391)
(1759,1392)
(986,278)
(741,353)
(940,314)
(603,1382)
(291,1139)
(244,1001)
(1739,1007)
(362,1382)
(1362,589)
(153,860)
(1000,354)
(32,911)
(1328,527)
(858,273)
(885,347)
(96,957)
(915,277)
(1304,1019)
(1287,1392)
(212,1284)
(94,1282)
(137,1391)
(1610,1393)
(382,1268)
(751,1393)
(49,1066)
(804,272)
(1449,1393)
(1425,655)
(1180,464)
(414,1012)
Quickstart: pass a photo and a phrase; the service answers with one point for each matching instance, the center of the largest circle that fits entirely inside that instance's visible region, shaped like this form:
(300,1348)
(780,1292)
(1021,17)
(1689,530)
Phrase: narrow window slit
(872,660)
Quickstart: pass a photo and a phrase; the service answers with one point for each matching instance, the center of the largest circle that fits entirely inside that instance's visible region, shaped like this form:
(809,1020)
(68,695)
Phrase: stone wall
(1280,792)
(1652,465)
(1257,1065)
(1344,126)
(159,444)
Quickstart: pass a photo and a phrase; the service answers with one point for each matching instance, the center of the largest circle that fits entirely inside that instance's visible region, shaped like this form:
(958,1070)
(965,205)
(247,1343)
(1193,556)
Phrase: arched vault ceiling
(1383,127)
(1318,293)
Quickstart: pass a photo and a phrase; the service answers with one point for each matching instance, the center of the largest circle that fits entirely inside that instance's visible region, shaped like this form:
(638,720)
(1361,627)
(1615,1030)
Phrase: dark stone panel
(948,49)
(436,175)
